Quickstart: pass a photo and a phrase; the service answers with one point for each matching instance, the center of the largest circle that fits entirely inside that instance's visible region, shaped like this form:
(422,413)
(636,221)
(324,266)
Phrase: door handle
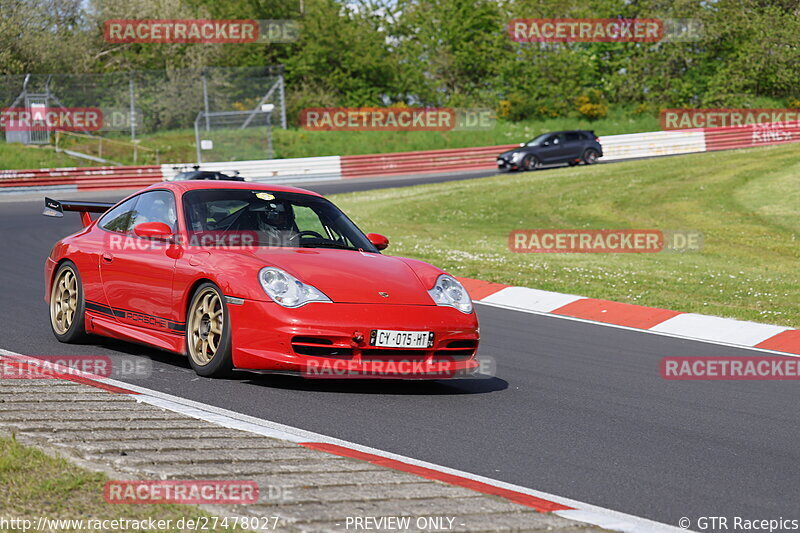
(107,257)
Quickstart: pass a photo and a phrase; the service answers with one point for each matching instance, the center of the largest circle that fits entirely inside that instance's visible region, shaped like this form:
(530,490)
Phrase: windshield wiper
(328,244)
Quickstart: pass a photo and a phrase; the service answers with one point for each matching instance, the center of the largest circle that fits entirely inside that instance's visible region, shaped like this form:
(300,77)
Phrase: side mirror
(378,241)
(153,230)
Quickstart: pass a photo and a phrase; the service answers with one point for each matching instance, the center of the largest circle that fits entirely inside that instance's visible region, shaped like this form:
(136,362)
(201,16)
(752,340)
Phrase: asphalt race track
(576,409)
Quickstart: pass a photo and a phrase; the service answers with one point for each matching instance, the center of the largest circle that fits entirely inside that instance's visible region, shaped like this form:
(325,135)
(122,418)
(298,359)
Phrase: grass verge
(18,156)
(33,484)
(746,203)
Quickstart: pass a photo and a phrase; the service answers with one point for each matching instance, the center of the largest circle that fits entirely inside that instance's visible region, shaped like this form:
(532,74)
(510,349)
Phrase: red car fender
(198,266)
(426,272)
(86,259)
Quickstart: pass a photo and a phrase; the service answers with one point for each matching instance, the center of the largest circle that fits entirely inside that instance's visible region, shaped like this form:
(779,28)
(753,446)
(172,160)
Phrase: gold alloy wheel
(206,320)
(64,301)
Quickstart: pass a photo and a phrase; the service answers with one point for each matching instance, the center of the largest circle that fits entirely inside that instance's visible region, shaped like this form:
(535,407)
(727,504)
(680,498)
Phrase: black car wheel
(590,156)
(572,163)
(530,162)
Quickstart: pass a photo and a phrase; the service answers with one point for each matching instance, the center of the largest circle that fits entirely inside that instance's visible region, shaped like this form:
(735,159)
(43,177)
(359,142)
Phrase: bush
(592,104)
(503,109)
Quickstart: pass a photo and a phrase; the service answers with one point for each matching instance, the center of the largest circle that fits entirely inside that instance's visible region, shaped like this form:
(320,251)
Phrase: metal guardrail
(430,161)
(754,135)
(271,170)
(636,145)
(82,178)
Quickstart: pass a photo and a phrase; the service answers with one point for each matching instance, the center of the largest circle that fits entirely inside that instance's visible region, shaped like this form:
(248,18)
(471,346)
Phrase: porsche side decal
(143,318)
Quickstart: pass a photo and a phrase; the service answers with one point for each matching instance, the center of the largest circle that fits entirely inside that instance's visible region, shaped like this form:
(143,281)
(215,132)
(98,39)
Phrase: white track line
(582,512)
(637,330)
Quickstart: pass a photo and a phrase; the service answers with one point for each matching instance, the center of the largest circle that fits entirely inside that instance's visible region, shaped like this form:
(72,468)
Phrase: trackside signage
(636,241)
(179,491)
(200,31)
(730,368)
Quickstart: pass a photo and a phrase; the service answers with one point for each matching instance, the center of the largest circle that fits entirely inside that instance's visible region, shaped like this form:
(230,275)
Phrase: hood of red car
(348,276)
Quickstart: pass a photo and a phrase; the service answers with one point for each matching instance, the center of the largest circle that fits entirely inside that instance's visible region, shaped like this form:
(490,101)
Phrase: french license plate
(388,338)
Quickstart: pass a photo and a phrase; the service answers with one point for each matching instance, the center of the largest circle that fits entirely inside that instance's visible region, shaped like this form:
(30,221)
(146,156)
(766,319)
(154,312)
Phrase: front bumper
(331,340)
(506,164)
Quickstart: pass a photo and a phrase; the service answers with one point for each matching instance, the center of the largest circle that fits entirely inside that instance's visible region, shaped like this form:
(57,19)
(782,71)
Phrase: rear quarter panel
(83,249)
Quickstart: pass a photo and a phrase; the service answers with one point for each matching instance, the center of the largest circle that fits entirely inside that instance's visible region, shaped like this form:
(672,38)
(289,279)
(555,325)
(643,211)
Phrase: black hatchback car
(198,174)
(569,147)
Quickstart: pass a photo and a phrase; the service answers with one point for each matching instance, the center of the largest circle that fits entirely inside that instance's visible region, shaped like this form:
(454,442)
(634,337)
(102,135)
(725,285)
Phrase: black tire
(572,163)
(200,327)
(590,156)
(67,305)
(530,162)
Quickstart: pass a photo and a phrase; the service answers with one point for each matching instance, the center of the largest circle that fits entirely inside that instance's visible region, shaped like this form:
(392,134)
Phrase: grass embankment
(746,202)
(178,146)
(33,484)
(18,156)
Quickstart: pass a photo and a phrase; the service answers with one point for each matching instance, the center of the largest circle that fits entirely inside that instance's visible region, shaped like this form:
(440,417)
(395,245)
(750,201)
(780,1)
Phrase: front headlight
(517,156)
(287,290)
(447,291)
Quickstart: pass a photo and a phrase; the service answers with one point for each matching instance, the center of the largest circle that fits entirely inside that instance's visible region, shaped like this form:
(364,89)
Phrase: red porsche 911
(241,276)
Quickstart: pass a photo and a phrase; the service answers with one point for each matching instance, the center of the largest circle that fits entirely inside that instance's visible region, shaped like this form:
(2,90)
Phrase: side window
(573,137)
(120,219)
(555,140)
(308,220)
(156,206)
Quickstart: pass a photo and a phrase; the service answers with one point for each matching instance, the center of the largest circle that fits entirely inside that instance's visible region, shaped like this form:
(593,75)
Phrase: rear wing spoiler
(56,208)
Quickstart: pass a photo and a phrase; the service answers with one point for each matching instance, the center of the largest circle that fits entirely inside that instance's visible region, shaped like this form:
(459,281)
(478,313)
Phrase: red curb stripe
(539,504)
(478,290)
(620,314)
(98,384)
(785,341)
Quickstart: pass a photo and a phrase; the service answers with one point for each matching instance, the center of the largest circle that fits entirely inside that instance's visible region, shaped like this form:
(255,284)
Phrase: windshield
(269,218)
(536,141)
